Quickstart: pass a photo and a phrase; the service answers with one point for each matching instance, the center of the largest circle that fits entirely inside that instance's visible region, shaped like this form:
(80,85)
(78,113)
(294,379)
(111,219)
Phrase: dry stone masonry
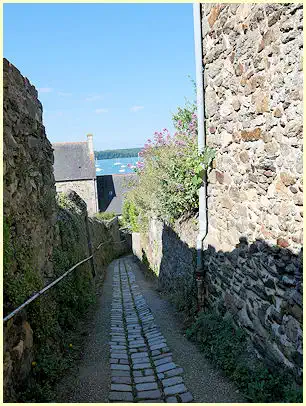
(44,236)
(253,95)
(141,362)
(29,211)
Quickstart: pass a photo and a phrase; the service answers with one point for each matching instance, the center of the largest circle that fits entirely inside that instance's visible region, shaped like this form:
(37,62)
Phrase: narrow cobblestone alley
(142,367)
(136,351)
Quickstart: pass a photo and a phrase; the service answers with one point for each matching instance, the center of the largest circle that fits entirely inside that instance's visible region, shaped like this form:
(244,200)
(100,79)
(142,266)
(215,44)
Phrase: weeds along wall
(44,236)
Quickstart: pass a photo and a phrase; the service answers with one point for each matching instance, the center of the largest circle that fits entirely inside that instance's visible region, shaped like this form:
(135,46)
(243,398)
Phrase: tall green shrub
(171,173)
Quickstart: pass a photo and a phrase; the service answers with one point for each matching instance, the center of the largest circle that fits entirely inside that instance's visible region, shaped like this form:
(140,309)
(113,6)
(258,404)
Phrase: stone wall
(107,233)
(29,212)
(253,96)
(43,237)
(253,104)
(84,188)
(171,254)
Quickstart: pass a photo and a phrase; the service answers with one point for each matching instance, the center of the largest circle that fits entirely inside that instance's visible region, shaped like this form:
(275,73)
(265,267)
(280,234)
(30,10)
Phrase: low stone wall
(114,243)
(86,189)
(171,254)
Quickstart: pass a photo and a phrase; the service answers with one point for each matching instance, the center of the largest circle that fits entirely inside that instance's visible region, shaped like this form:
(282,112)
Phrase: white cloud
(64,94)
(45,90)
(100,111)
(136,108)
(93,98)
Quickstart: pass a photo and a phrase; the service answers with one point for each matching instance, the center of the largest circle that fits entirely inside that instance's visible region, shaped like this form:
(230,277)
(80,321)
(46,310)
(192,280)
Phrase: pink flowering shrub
(172,171)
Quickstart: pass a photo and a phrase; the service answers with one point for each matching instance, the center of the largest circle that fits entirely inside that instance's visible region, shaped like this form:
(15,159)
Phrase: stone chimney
(90,146)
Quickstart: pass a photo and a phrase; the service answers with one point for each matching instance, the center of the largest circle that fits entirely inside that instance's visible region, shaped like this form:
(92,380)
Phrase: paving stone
(162,361)
(124,396)
(146,386)
(156,352)
(137,373)
(114,361)
(120,373)
(151,401)
(148,372)
(156,340)
(186,397)
(167,354)
(166,367)
(173,390)
(139,355)
(139,349)
(140,360)
(120,387)
(173,372)
(161,376)
(119,355)
(118,347)
(154,334)
(137,345)
(121,367)
(149,394)
(171,399)
(142,366)
(122,379)
(172,381)
(143,379)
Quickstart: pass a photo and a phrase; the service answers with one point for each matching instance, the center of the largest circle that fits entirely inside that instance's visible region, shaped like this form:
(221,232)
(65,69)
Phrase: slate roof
(72,161)
(111,190)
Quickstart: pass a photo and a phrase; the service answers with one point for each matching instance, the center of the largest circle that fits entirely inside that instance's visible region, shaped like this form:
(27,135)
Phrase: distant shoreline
(117,153)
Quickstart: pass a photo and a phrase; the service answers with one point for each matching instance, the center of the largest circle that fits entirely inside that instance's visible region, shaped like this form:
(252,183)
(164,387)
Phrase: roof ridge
(72,142)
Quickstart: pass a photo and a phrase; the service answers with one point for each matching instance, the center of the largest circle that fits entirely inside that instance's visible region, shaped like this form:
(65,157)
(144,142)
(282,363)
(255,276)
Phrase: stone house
(74,168)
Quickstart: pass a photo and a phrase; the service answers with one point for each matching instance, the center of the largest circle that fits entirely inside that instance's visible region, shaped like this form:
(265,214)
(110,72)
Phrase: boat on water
(122,166)
(117,163)
(121,170)
(99,169)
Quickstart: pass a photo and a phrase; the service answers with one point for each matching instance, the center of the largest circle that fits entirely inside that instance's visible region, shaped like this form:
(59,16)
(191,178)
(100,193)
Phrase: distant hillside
(117,153)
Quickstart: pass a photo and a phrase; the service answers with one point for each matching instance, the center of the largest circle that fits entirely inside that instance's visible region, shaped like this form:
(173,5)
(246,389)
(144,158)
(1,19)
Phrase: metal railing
(43,290)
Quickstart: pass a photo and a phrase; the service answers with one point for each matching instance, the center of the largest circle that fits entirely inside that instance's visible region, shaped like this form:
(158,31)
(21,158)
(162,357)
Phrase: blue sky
(114,70)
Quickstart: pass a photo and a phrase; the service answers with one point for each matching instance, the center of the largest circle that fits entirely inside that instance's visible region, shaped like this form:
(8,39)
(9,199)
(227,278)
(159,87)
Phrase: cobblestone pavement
(142,368)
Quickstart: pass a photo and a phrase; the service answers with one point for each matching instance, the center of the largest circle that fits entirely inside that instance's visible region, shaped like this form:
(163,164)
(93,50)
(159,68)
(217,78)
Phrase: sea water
(115,166)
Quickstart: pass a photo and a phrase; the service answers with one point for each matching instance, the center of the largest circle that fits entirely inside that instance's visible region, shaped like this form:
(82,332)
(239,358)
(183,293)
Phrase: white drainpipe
(201,131)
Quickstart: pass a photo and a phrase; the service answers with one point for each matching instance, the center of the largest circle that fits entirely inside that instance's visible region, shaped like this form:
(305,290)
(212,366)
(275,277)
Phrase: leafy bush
(105,215)
(130,216)
(226,346)
(171,174)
